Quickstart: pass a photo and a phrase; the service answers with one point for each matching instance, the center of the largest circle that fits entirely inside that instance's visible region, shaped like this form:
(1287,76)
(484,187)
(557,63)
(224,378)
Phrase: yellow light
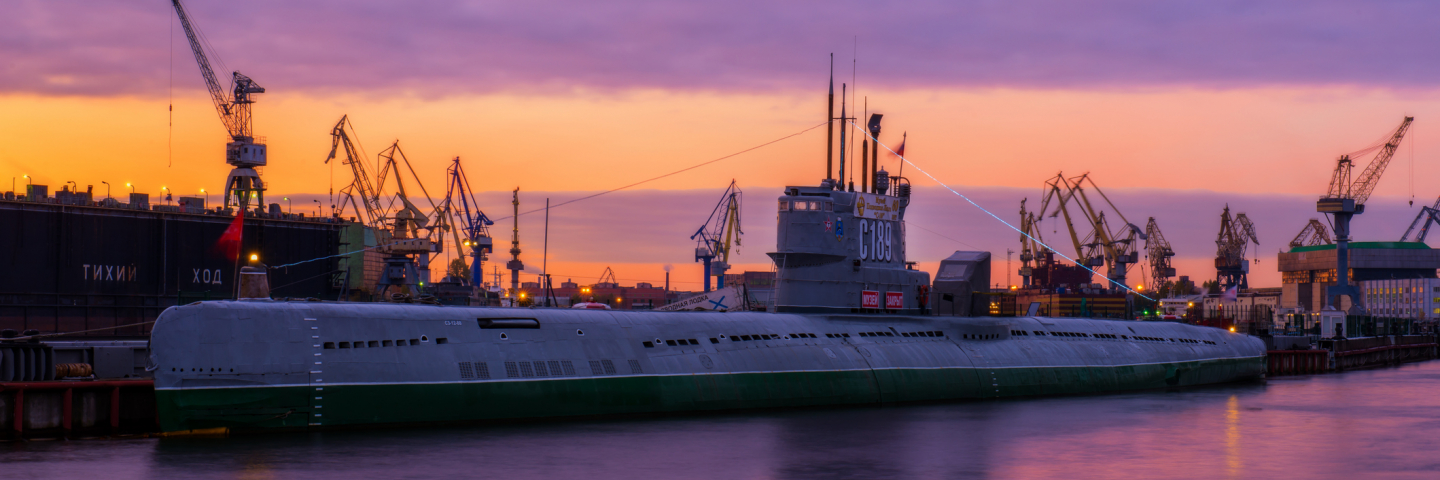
(1139,287)
(254,257)
(1232,329)
(617,299)
(522,294)
(1191,304)
(127,184)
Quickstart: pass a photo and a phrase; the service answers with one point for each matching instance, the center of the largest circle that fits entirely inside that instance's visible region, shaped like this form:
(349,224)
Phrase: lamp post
(76,187)
(290,206)
(107,188)
(28,180)
(207,197)
(317,208)
(167,194)
(132,187)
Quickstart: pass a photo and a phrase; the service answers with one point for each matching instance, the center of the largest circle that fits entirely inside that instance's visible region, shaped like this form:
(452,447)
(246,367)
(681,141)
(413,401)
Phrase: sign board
(869,299)
(894,300)
(728,298)
(877,207)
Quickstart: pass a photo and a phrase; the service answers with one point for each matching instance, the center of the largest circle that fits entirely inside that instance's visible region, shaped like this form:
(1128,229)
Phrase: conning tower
(843,251)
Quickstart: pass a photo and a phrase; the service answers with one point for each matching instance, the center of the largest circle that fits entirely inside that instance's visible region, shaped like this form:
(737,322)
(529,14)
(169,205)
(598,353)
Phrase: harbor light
(254,257)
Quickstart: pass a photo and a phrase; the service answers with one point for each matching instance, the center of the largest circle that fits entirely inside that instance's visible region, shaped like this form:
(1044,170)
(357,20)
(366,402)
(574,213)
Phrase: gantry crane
(1159,252)
(717,234)
(245,151)
(460,203)
(1345,199)
(1314,233)
(1427,216)
(1231,266)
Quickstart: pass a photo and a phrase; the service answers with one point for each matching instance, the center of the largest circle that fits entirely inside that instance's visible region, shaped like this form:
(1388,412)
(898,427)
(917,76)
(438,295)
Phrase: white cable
(992,215)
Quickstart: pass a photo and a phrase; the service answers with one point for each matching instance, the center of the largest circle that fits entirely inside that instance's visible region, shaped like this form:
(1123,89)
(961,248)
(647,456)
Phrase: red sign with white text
(869,299)
(894,300)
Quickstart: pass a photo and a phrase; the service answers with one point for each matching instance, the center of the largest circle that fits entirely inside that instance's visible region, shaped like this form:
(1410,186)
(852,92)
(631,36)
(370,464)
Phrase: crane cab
(245,154)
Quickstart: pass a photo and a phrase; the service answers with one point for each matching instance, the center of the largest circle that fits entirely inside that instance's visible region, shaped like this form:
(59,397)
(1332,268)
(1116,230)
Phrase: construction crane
(716,235)
(460,203)
(1345,199)
(1430,215)
(245,151)
(1314,233)
(1102,246)
(359,195)
(1048,272)
(1236,233)
(1158,251)
(409,244)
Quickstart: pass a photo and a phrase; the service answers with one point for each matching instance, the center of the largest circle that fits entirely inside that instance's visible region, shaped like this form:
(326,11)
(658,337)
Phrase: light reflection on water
(1377,423)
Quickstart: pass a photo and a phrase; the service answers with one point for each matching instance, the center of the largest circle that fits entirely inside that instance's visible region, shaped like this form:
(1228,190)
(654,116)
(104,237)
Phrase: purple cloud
(440,48)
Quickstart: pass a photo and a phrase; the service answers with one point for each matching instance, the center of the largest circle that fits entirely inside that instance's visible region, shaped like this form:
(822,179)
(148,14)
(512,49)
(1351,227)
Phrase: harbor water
(1378,423)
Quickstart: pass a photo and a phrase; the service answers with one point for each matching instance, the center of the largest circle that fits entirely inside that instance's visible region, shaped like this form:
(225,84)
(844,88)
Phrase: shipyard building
(1394,278)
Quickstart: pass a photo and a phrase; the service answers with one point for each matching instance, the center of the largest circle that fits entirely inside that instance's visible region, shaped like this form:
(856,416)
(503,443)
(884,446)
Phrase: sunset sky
(1176,108)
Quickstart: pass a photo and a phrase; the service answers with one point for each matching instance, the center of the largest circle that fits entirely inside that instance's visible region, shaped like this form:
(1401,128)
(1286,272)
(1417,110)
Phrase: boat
(853,325)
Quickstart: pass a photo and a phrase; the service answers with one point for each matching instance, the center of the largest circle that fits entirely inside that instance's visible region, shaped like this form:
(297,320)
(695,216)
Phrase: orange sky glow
(1260,140)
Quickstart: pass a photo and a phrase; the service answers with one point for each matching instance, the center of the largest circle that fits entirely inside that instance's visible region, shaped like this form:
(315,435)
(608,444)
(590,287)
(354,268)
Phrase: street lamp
(107,188)
(167,194)
(132,187)
(28,180)
(317,208)
(290,205)
(72,182)
(207,197)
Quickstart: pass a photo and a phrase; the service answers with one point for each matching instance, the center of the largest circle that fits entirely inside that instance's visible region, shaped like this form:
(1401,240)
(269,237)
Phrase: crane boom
(716,236)
(367,208)
(1160,252)
(1428,216)
(233,108)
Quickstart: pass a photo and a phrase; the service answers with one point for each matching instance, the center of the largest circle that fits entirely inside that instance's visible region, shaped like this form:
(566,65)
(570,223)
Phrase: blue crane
(473,224)
(716,235)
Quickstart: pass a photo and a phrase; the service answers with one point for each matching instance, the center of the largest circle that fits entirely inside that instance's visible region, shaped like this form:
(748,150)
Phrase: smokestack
(254,284)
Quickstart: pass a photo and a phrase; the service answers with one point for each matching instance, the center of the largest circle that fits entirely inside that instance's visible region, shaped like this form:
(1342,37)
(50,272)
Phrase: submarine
(853,323)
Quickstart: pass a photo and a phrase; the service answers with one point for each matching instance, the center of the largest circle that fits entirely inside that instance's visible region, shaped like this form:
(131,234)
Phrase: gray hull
(262,364)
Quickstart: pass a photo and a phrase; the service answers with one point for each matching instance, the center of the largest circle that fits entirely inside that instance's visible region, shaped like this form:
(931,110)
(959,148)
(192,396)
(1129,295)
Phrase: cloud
(458,47)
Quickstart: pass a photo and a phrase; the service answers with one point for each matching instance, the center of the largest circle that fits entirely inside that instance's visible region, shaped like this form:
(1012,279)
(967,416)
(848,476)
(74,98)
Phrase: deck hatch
(508,322)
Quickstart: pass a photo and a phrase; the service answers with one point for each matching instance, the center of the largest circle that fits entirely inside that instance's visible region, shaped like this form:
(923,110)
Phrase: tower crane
(245,151)
(409,243)
(1159,252)
(1314,233)
(360,194)
(715,236)
(1345,199)
(1231,267)
(460,203)
(1430,215)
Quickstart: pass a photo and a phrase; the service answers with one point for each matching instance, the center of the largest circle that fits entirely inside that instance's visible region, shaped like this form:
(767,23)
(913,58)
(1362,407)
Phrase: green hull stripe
(333,405)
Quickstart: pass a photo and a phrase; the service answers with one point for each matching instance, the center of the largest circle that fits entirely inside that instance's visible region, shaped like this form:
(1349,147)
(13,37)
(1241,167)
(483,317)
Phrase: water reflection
(1377,423)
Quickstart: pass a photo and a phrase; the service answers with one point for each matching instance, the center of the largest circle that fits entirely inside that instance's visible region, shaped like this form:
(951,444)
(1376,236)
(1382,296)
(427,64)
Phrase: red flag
(900,152)
(229,244)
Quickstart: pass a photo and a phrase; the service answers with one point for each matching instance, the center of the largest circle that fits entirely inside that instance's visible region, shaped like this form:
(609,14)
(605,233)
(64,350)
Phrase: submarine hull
(262,365)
